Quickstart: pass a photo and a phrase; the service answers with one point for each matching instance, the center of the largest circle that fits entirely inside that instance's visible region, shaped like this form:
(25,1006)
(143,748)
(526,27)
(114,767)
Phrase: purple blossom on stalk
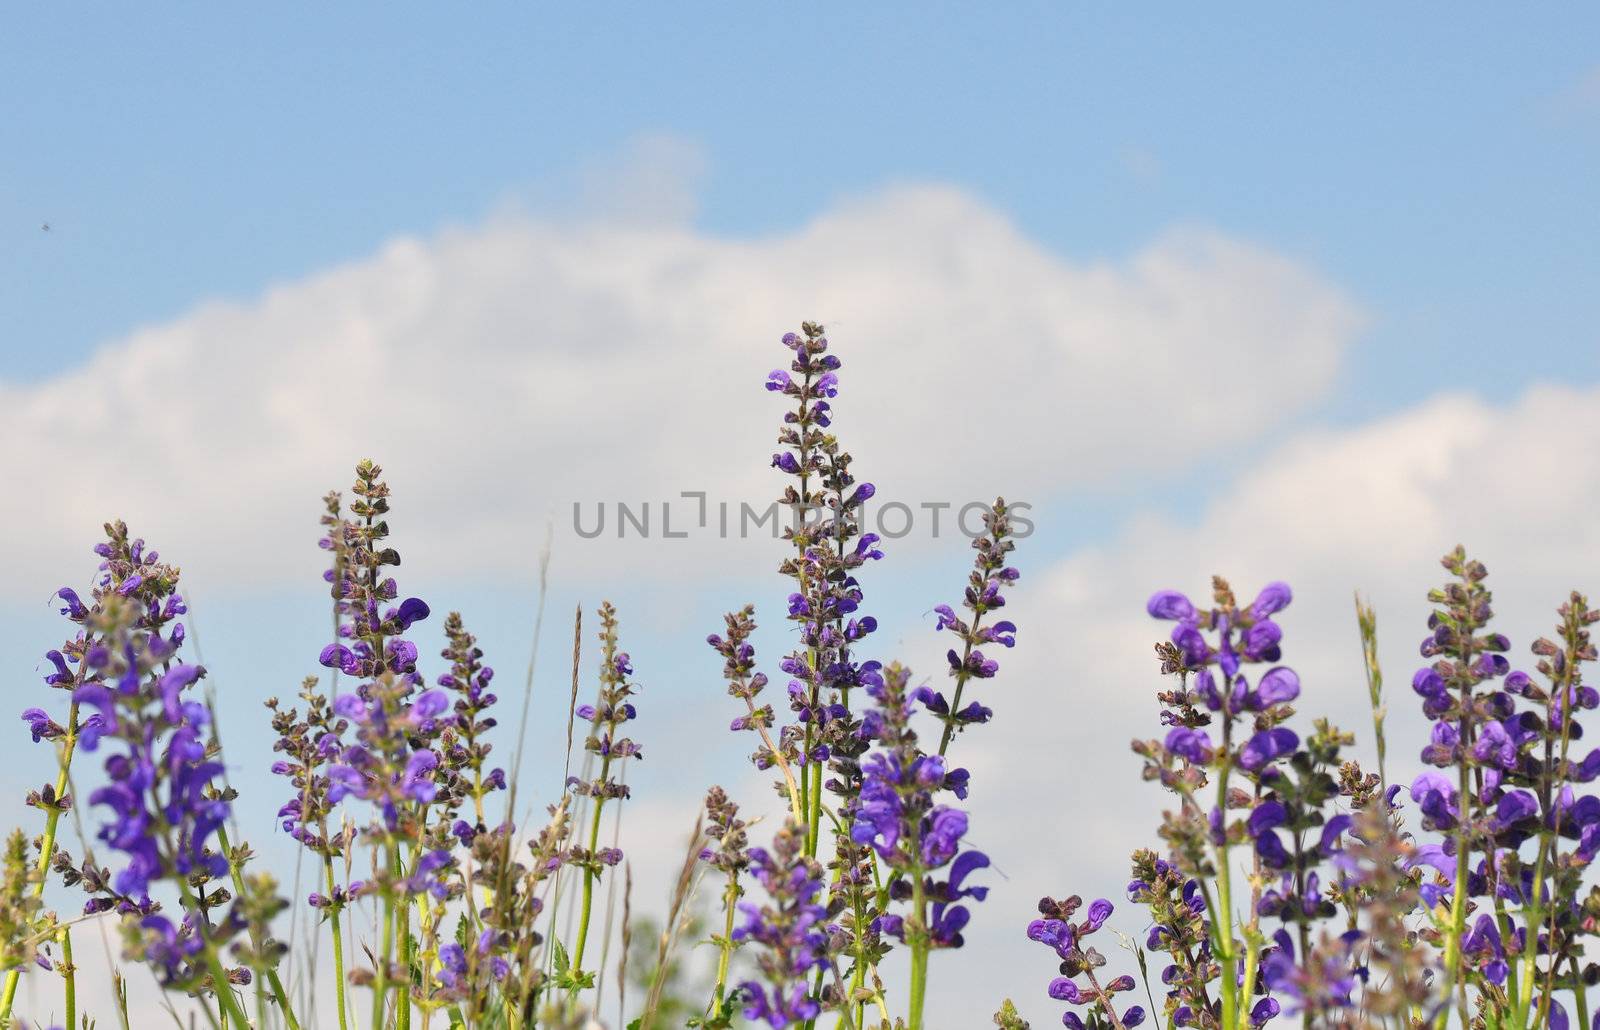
(1179,927)
(898,816)
(1058,930)
(990,573)
(308,746)
(162,805)
(829,547)
(607,716)
(822,749)
(462,747)
(162,816)
(1323,985)
(1503,786)
(1222,724)
(390,763)
(790,930)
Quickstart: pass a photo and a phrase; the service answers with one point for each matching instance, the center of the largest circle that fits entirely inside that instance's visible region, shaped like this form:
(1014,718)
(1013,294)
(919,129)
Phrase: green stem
(402,1020)
(1223,917)
(71,974)
(1458,899)
(52,819)
(815,820)
(338,944)
(226,1002)
(1252,954)
(273,982)
(919,954)
(730,898)
(380,991)
(1578,994)
(589,873)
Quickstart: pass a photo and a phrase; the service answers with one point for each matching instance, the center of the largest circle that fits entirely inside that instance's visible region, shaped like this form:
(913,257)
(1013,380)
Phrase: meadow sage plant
(1286,883)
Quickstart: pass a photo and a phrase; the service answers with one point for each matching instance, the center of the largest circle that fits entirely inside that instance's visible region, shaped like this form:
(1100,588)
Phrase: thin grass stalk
(627,944)
(682,892)
(572,701)
(533,659)
(119,994)
(1367,621)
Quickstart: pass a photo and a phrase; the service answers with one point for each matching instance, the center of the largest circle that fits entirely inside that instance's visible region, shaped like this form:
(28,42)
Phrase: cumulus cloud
(503,372)
(506,370)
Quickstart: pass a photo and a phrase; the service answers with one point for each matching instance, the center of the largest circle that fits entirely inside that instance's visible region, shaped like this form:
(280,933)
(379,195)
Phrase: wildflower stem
(380,991)
(273,982)
(961,683)
(1367,621)
(796,794)
(1578,995)
(919,953)
(70,972)
(1224,913)
(814,823)
(589,872)
(1458,899)
(730,898)
(226,1002)
(402,914)
(47,848)
(1104,999)
(338,943)
(1252,956)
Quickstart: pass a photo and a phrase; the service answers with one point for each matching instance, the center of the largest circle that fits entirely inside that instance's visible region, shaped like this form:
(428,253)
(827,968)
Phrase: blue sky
(1431,171)
(1437,161)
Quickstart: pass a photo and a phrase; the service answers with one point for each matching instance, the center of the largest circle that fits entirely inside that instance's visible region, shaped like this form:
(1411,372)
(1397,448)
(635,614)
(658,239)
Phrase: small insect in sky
(45,227)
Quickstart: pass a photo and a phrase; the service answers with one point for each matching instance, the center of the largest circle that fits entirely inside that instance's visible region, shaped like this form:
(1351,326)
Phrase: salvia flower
(789,930)
(990,574)
(1061,930)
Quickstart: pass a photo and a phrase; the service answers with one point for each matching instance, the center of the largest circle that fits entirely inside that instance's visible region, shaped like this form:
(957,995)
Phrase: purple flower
(1267,746)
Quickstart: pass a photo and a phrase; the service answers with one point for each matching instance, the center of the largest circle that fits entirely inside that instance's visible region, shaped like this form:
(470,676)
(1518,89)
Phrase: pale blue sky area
(1439,162)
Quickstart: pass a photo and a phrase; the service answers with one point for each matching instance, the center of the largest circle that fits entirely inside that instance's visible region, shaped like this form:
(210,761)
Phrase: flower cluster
(606,716)
(1057,930)
(829,546)
(911,831)
(389,764)
(462,744)
(990,573)
(898,867)
(789,929)
(1513,827)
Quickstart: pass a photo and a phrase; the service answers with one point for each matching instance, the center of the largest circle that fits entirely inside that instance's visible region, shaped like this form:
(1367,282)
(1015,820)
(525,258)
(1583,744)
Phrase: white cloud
(522,364)
(503,371)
